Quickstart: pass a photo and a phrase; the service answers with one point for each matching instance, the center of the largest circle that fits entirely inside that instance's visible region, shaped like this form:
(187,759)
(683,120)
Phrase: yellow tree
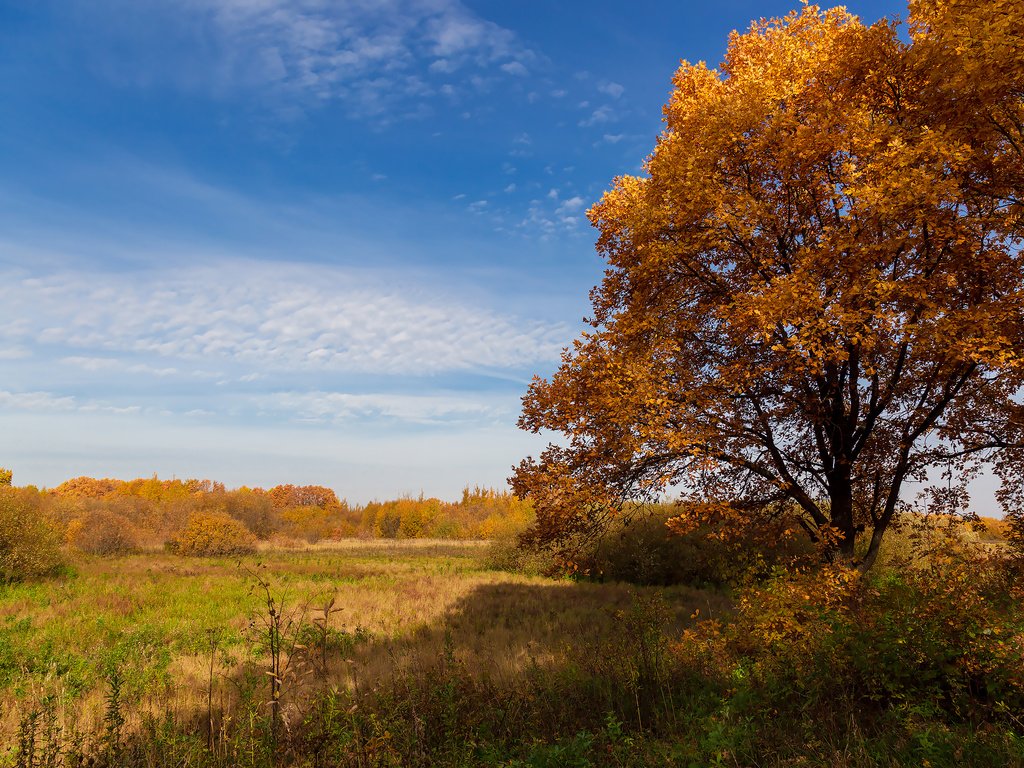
(814,295)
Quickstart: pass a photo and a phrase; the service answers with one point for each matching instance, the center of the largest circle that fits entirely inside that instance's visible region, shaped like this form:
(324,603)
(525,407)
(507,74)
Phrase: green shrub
(210,534)
(505,554)
(646,551)
(29,540)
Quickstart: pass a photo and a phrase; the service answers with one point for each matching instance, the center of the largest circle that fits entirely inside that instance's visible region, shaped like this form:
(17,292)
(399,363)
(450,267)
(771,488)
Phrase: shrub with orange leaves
(29,539)
(945,640)
(100,531)
(211,534)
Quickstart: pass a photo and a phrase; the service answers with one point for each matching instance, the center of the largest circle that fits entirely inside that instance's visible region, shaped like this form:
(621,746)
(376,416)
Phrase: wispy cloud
(337,407)
(49,402)
(265,317)
(375,56)
(599,116)
(611,89)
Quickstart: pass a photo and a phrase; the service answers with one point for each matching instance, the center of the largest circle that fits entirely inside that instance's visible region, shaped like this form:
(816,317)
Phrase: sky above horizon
(265,242)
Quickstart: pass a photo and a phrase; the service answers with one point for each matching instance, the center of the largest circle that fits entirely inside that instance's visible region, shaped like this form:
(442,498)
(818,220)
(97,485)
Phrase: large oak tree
(814,295)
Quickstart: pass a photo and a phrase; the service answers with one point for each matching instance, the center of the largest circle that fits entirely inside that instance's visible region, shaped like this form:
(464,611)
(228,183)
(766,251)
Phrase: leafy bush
(253,510)
(505,554)
(101,532)
(647,550)
(939,643)
(29,540)
(211,534)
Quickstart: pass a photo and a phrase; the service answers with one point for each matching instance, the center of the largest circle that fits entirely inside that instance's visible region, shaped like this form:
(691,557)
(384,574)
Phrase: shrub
(101,532)
(211,534)
(647,550)
(253,510)
(942,641)
(29,540)
(505,554)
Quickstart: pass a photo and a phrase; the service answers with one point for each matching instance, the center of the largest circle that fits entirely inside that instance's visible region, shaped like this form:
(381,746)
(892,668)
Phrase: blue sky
(314,242)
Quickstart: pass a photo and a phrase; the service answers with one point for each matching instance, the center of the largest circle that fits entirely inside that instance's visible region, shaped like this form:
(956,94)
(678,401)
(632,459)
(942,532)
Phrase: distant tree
(87,487)
(6,476)
(303,496)
(816,293)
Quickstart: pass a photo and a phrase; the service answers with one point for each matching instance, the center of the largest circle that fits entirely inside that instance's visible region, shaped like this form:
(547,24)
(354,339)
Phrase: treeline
(105,516)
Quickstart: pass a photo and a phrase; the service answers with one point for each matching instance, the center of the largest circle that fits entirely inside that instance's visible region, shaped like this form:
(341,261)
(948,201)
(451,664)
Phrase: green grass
(150,616)
(427,658)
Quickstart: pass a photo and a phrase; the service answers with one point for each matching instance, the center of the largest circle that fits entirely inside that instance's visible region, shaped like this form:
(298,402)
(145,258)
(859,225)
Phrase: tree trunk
(872,554)
(841,500)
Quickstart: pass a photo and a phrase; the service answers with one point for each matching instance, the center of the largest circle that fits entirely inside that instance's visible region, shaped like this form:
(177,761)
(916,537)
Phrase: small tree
(816,293)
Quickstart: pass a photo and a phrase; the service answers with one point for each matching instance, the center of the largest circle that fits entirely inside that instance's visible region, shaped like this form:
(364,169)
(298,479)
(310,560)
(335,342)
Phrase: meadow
(184,641)
(245,636)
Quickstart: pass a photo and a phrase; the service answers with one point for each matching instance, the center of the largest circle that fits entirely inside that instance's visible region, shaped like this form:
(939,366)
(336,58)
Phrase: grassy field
(374,653)
(189,636)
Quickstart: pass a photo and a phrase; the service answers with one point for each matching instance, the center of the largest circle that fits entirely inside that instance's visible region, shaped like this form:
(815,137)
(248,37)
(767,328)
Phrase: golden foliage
(816,293)
(101,531)
(29,539)
(212,534)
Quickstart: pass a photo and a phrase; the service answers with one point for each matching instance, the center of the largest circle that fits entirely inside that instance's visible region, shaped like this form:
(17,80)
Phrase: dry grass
(403,605)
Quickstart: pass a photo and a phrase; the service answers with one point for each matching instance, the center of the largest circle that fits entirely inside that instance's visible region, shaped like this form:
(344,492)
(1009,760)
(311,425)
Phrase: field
(185,640)
(420,653)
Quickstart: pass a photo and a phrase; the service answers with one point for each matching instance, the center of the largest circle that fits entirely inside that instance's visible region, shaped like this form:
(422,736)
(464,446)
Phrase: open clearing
(161,622)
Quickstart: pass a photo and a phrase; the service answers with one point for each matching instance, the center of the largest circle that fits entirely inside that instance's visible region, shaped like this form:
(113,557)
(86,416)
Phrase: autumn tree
(303,496)
(814,294)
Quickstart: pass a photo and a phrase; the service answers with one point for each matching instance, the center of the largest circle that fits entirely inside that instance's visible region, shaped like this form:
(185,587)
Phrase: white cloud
(571,205)
(48,402)
(35,401)
(366,53)
(515,68)
(417,409)
(264,317)
(598,116)
(611,89)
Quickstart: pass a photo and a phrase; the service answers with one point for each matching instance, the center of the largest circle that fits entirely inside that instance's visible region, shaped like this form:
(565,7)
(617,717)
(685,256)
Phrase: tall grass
(384,654)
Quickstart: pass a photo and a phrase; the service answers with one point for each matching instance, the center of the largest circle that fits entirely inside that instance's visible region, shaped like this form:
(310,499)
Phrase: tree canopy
(814,294)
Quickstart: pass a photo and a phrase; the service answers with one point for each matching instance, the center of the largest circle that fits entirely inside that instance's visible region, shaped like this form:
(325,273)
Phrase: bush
(29,540)
(940,643)
(101,532)
(210,534)
(646,550)
(505,554)
(253,510)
